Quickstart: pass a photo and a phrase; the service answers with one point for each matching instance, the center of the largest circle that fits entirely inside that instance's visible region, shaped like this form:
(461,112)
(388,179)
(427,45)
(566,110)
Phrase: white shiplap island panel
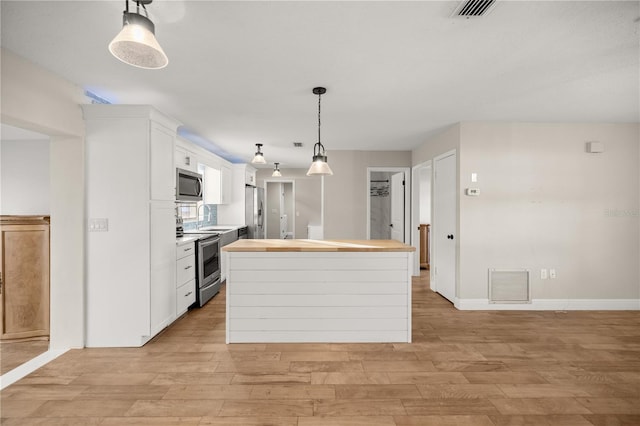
(318,296)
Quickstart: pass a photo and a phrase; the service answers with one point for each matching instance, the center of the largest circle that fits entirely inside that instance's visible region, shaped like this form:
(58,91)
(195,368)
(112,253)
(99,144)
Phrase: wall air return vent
(473,8)
(509,286)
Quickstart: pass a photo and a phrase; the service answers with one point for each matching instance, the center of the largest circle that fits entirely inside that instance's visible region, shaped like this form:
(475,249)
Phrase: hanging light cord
(143,8)
(319,143)
(137,7)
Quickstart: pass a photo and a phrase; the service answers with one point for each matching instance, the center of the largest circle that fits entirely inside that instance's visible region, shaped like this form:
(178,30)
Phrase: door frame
(266,203)
(407,197)
(416,194)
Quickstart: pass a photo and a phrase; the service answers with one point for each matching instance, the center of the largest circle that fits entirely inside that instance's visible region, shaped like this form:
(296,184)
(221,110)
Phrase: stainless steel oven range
(207,268)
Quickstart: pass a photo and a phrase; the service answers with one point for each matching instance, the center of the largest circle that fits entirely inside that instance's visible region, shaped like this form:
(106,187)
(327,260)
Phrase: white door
(397,207)
(444,226)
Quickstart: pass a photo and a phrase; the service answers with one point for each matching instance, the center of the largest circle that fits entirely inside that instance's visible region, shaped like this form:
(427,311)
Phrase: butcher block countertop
(317,246)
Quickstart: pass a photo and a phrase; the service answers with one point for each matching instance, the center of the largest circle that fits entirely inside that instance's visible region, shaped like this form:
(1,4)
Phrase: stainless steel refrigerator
(254,211)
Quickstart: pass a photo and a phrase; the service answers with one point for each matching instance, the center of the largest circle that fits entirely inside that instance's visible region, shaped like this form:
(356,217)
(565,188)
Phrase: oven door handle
(209,241)
(215,282)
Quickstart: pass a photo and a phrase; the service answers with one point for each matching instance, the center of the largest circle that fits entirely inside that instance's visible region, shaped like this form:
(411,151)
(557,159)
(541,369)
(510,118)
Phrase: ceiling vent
(297,144)
(473,8)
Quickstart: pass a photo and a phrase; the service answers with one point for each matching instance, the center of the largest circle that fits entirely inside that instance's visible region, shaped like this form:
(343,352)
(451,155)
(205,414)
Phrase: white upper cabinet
(225,184)
(212,183)
(250,176)
(186,159)
(162,170)
(217,183)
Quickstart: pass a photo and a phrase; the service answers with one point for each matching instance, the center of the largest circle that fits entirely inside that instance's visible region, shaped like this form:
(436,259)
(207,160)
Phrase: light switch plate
(98,225)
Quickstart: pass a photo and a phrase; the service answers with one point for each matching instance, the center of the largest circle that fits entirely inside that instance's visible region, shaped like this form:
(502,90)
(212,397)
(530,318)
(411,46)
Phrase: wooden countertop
(316,246)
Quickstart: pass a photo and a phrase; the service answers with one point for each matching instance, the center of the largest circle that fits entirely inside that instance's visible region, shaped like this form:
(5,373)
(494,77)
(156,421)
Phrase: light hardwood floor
(464,368)
(14,354)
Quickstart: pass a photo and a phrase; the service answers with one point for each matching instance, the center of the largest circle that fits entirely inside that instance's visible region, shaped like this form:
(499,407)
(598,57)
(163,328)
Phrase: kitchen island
(318,291)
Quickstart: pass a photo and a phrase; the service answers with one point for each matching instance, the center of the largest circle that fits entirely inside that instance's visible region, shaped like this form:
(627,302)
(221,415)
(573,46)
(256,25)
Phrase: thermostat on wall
(473,192)
(595,147)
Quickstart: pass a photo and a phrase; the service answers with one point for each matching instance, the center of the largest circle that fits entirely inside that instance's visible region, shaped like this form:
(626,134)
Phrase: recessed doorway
(280,209)
(388,203)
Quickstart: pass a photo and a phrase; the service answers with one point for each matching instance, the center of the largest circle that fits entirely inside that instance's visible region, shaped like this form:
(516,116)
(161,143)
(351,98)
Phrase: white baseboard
(29,367)
(551,305)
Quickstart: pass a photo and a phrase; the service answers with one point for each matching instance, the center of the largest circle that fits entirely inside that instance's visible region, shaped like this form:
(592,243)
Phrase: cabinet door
(212,185)
(162,176)
(250,177)
(225,184)
(185,297)
(24,296)
(163,265)
(186,159)
(185,270)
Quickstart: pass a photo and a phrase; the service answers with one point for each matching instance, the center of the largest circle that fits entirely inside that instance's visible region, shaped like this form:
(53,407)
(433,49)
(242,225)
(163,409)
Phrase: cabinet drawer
(185,270)
(185,250)
(185,296)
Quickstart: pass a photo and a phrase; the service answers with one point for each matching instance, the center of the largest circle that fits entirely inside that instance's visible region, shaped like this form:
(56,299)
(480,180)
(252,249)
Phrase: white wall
(272,214)
(546,203)
(289,207)
(425,195)
(438,144)
(35,99)
(346,192)
(24,177)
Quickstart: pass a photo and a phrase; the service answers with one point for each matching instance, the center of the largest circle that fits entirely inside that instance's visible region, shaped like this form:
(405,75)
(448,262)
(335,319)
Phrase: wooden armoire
(24,277)
(424,246)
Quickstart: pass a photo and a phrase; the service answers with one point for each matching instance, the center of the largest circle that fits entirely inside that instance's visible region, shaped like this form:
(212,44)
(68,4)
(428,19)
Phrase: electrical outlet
(543,274)
(552,274)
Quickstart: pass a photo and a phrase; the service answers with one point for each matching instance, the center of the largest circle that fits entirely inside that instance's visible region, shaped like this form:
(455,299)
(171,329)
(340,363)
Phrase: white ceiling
(241,73)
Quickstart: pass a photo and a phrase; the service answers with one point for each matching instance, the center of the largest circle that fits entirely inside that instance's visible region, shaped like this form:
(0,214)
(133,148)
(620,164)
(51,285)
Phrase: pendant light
(276,171)
(319,165)
(258,158)
(136,43)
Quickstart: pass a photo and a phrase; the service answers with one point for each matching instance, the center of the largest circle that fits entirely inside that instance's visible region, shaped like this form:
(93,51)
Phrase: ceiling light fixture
(276,171)
(319,166)
(258,158)
(136,43)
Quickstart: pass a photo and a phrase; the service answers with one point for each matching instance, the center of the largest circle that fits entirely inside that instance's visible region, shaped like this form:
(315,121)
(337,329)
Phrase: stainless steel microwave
(188,186)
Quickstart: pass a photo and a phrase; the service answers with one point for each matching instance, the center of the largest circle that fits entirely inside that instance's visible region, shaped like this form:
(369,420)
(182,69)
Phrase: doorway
(421,217)
(25,189)
(388,203)
(280,209)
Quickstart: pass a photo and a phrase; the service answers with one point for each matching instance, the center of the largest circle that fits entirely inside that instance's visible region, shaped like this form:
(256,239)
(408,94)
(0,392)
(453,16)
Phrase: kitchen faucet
(198,224)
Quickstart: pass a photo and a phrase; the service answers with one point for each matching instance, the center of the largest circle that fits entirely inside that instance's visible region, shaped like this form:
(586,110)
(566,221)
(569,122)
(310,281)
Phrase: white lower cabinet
(185,276)
(185,296)
(162,273)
